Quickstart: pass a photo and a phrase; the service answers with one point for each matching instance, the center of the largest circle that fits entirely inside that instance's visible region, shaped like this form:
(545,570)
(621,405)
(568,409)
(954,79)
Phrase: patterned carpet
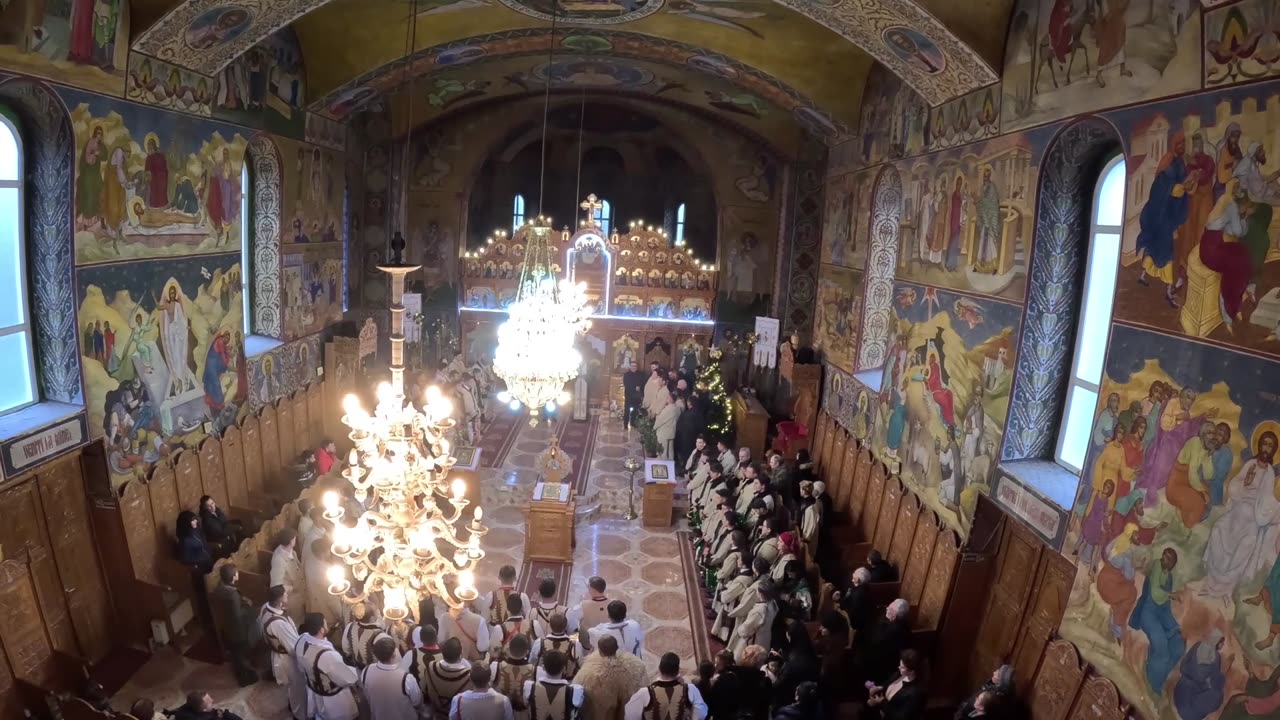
(578,439)
(534,571)
(498,436)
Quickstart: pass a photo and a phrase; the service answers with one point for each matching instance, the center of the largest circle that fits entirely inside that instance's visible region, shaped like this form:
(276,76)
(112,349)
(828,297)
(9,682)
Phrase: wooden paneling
(190,485)
(53,599)
(899,552)
(1053,693)
(875,493)
(233,467)
(1016,563)
(1052,589)
(828,440)
(835,466)
(255,472)
(10,702)
(301,427)
(315,414)
(141,531)
(1098,700)
(922,545)
(24,530)
(284,435)
(888,515)
(937,589)
(70,533)
(861,484)
(819,435)
(162,487)
(22,629)
(211,472)
(847,470)
(270,439)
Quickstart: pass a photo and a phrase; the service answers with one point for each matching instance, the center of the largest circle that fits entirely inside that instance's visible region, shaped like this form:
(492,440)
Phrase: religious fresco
(944,396)
(845,225)
(1176,530)
(610,12)
(265,87)
(894,118)
(159,84)
(1066,57)
(1199,249)
(1240,43)
(851,404)
(283,370)
(324,132)
(151,183)
(314,186)
(839,310)
(759,170)
(435,231)
(312,289)
(971,118)
(969,213)
(78,42)
(746,253)
(162,347)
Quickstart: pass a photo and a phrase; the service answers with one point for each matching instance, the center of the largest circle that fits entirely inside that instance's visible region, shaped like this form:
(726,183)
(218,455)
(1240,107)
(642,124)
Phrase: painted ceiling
(806,58)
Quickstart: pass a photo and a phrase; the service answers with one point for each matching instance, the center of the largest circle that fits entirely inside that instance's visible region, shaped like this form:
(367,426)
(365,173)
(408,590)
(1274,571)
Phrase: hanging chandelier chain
(546,105)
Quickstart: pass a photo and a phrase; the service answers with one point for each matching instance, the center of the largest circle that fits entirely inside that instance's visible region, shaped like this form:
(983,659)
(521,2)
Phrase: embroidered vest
(543,615)
(668,700)
(513,627)
(317,680)
(594,612)
(443,683)
(551,701)
(272,642)
(358,641)
(419,660)
(564,645)
(498,612)
(510,680)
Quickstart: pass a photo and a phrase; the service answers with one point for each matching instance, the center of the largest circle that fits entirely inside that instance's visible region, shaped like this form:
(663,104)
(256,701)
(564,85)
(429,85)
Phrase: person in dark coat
(878,648)
(222,533)
(799,665)
(880,569)
(904,696)
(742,691)
(806,705)
(633,393)
(193,550)
(855,600)
(688,426)
(834,638)
(199,706)
(236,622)
(1001,696)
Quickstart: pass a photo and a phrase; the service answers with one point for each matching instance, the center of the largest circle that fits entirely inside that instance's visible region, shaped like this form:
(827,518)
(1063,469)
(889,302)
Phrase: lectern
(659,492)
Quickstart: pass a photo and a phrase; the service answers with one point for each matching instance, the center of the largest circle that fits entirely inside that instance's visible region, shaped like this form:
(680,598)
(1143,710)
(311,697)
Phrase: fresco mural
(312,290)
(967,119)
(944,396)
(314,186)
(1200,249)
(282,370)
(162,347)
(586,13)
(151,183)
(157,83)
(894,118)
(839,309)
(1239,43)
(266,87)
(324,132)
(1066,57)
(1176,530)
(435,222)
(851,403)
(968,215)
(78,42)
(746,254)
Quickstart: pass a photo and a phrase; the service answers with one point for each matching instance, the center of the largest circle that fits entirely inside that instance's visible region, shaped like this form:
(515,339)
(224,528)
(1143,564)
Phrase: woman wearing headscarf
(788,551)
(1000,686)
(1200,690)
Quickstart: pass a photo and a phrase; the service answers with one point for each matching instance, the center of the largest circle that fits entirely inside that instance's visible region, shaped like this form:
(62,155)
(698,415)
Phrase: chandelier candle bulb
(332,509)
(338,584)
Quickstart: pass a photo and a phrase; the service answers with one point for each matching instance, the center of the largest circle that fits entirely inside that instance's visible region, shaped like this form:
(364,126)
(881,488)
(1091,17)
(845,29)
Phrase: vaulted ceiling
(772,65)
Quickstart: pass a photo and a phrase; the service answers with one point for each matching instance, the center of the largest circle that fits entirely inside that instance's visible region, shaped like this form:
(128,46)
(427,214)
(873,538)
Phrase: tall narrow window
(1095,316)
(517,213)
(604,217)
(680,225)
(346,248)
(246,249)
(17,362)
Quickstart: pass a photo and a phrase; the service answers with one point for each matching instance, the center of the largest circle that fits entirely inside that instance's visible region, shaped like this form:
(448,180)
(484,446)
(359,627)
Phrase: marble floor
(645,568)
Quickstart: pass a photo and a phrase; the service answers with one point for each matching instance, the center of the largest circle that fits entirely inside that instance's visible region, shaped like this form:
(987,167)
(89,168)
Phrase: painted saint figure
(1243,539)
(1165,212)
(89,178)
(988,228)
(1202,684)
(157,175)
(955,225)
(1223,251)
(1153,617)
(174,331)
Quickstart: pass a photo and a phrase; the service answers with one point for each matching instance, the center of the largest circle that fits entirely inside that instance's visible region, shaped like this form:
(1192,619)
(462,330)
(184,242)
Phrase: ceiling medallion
(586,12)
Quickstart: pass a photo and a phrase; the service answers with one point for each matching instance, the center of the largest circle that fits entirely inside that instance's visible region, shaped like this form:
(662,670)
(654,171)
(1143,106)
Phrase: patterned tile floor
(642,567)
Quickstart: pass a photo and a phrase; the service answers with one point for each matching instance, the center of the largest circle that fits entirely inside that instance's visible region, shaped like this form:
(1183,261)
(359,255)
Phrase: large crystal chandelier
(413,538)
(536,354)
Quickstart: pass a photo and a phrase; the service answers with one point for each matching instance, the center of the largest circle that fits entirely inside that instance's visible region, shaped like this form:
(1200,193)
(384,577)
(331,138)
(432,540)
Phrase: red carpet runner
(534,571)
(498,436)
(693,592)
(578,440)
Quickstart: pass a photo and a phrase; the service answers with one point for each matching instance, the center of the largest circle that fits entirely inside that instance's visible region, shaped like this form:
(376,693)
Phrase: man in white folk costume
(446,677)
(627,632)
(516,624)
(664,426)
(492,605)
(328,679)
(756,628)
(280,635)
(469,629)
(593,610)
(654,390)
(481,702)
(670,696)
(510,674)
(392,693)
(358,637)
(286,570)
(317,558)
(551,696)
(545,607)
(558,641)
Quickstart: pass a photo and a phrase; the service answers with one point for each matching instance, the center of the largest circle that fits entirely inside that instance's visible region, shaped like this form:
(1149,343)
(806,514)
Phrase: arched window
(17,361)
(680,225)
(517,213)
(1095,317)
(246,251)
(604,217)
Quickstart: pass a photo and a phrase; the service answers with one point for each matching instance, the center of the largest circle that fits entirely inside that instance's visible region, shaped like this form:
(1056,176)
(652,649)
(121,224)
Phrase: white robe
(287,571)
(1242,542)
(629,634)
(173,335)
(392,693)
(285,634)
(755,629)
(334,707)
(665,426)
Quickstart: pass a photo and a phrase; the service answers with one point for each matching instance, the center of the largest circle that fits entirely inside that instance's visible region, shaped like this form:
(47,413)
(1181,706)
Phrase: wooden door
(67,511)
(1015,574)
(23,529)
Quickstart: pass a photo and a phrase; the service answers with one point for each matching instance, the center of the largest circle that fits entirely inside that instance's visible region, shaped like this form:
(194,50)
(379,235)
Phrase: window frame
(679,233)
(1117,162)
(517,212)
(603,216)
(246,246)
(24,282)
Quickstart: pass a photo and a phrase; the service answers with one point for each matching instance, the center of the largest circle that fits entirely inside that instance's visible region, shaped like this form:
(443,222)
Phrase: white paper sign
(766,347)
(412,307)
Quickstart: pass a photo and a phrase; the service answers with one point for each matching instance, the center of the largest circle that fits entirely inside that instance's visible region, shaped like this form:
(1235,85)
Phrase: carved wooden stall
(1003,574)
(653,301)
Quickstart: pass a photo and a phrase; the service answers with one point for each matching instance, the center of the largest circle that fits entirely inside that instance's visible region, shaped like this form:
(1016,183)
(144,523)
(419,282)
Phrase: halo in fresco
(218,26)
(460,55)
(587,12)
(915,49)
(712,64)
(593,73)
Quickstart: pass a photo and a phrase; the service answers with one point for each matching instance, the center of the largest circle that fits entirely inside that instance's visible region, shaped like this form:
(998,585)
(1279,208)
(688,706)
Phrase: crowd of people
(679,410)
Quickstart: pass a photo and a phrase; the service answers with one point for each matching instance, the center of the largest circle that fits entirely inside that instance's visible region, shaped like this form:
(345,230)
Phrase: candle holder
(632,464)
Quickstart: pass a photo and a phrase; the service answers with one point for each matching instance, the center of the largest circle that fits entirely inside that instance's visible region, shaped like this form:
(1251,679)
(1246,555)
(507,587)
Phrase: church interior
(639,359)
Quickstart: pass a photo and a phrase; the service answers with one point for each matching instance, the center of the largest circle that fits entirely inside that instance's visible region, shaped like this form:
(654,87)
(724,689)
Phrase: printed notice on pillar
(766,348)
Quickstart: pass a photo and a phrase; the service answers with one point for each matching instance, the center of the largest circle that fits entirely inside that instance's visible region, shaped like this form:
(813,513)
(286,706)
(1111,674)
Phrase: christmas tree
(719,412)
